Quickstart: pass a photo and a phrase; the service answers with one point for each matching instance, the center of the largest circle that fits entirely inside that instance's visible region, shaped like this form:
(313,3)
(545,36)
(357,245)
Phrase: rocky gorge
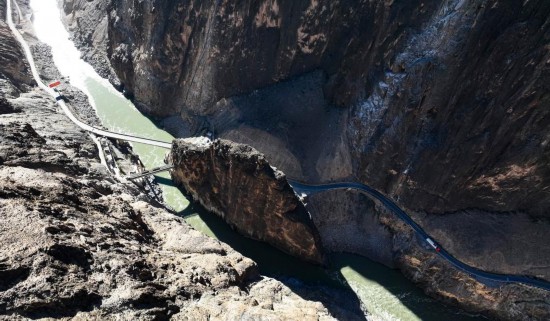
(78,242)
(439,105)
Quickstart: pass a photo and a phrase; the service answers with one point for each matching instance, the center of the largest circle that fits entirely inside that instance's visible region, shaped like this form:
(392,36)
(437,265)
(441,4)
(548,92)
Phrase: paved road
(60,101)
(390,205)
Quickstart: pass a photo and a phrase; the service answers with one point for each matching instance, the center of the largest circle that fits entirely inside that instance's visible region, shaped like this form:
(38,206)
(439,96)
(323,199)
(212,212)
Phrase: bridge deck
(150,172)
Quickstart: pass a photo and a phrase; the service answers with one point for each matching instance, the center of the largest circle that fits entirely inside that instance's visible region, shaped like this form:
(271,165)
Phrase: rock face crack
(69,254)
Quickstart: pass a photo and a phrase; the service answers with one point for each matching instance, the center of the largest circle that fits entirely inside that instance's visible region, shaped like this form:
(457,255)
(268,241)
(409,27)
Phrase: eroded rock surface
(13,67)
(236,182)
(87,248)
(76,243)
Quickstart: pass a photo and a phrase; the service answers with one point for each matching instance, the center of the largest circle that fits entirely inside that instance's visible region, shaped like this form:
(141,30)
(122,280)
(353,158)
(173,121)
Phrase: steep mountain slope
(441,105)
(455,87)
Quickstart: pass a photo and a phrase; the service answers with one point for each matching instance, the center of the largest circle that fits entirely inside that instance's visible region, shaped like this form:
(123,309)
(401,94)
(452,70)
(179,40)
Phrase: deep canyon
(79,242)
(443,106)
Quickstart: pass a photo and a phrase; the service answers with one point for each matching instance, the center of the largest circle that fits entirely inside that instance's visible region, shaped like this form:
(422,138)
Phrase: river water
(386,294)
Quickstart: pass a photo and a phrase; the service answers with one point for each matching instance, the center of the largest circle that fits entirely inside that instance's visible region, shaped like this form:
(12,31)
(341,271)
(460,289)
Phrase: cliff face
(456,88)
(457,120)
(200,51)
(15,74)
(237,183)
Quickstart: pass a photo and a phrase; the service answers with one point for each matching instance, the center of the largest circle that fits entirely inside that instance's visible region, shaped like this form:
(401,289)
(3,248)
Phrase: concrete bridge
(150,172)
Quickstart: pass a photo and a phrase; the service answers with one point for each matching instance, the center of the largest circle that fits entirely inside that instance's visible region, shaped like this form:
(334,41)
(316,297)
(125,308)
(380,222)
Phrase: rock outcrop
(237,183)
(15,74)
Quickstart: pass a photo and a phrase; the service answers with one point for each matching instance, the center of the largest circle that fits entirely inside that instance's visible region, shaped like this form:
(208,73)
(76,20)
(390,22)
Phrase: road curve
(60,101)
(390,205)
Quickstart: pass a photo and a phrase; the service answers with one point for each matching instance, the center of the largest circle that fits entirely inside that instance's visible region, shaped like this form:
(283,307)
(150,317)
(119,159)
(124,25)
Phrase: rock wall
(457,119)
(87,21)
(15,74)
(455,88)
(237,183)
(199,51)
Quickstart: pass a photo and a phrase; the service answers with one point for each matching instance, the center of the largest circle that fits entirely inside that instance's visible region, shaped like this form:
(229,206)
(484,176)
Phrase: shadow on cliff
(309,281)
(329,286)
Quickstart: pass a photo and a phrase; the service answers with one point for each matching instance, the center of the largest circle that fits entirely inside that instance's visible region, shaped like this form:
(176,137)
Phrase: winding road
(299,187)
(390,205)
(59,98)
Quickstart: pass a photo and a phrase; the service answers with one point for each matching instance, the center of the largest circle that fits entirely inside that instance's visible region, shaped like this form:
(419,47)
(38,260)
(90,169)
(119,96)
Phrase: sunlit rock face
(13,67)
(237,183)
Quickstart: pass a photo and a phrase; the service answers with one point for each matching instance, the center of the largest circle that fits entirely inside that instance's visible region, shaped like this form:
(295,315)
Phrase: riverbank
(97,250)
(123,160)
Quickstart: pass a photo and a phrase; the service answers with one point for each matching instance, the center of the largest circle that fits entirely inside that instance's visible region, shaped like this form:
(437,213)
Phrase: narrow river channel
(386,294)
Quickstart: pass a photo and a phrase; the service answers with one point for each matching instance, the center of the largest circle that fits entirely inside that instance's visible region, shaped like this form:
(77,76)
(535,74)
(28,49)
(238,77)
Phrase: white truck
(432,244)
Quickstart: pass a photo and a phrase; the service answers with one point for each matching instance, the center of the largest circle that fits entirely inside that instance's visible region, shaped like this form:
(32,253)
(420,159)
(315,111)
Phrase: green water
(386,294)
